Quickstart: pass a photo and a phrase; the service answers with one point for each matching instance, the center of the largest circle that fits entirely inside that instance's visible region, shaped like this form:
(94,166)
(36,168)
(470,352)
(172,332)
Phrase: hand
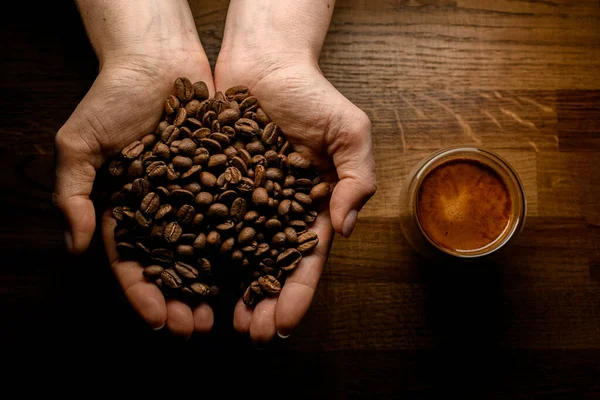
(334,133)
(124,103)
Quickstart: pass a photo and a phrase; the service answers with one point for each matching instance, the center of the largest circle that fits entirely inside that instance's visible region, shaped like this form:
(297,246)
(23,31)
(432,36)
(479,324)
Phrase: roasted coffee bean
(165,210)
(289,259)
(217,160)
(162,256)
(238,208)
(169,135)
(298,225)
(204,199)
(182,162)
(211,145)
(200,241)
(249,104)
(150,203)
(246,127)
(153,271)
(320,191)
(233,175)
(260,197)
(246,235)
(180,117)
(213,238)
(181,196)
(172,232)
(185,214)
(171,279)
(200,91)
(133,150)
(171,104)
(200,288)
(284,207)
(271,133)
(273,224)
(310,217)
(269,284)
(218,210)
(307,241)
(278,239)
(186,270)
(237,93)
(291,235)
(207,179)
(184,90)
(185,249)
(135,169)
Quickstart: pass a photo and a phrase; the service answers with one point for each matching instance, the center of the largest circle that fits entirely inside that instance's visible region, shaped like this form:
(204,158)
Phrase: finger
(75,176)
(353,158)
(262,326)
(299,288)
(180,320)
(145,297)
(242,315)
(204,318)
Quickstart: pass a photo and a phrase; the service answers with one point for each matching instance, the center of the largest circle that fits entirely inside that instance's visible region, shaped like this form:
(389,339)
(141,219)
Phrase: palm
(314,116)
(124,103)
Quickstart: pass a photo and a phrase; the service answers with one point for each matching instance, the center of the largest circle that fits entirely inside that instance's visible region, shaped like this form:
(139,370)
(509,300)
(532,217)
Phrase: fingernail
(69,241)
(158,328)
(349,223)
(283,336)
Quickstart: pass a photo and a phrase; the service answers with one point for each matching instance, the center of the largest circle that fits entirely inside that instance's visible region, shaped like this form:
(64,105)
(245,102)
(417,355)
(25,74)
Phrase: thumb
(75,174)
(352,155)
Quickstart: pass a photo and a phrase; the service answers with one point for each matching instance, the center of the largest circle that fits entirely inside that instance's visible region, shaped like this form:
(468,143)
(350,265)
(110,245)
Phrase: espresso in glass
(462,202)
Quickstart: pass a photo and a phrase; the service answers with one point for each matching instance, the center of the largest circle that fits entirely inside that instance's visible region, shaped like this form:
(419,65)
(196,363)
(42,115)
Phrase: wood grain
(517,77)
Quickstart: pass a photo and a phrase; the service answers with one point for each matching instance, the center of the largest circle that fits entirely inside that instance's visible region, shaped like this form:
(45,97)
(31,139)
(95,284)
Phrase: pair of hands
(125,103)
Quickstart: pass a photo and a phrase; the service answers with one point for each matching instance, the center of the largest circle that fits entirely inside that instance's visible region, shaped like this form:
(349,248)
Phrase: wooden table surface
(519,77)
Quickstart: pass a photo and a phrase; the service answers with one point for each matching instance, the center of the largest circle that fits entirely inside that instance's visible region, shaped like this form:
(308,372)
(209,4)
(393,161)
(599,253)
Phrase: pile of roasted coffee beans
(216,194)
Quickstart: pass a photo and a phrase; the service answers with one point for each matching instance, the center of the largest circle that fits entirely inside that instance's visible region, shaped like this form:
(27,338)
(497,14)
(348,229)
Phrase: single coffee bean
(217,160)
(284,207)
(192,172)
(273,224)
(278,239)
(162,256)
(169,135)
(230,152)
(187,147)
(182,162)
(297,207)
(150,203)
(249,297)
(211,145)
(260,197)
(291,235)
(213,239)
(255,147)
(269,284)
(116,168)
(171,279)
(181,196)
(200,241)
(227,245)
(298,225)
(198,218)
(207,179)
(307,241)
(246,127)
(271,133)
(204,199)
(249,104)
(164,211)
(228,117)
(289,259)
(233,175)
(133,150)
(200,91)
(237,93)
(221,138)
(185,214)
(185,249)
(184,90)
(172,232)
(153,271)
(238,163)
(238,208)
(186,270)
(180,117)
(217,210)
(200,288)
(310,216)
(171,104)
(259,175)
(246,235)
(320,191)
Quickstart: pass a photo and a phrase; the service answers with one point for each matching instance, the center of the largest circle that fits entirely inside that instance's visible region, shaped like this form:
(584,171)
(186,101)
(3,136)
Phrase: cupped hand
(124,103)
(336,135)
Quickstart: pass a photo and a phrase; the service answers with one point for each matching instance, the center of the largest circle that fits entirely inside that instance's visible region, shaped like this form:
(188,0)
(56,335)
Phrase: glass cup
(415,195)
